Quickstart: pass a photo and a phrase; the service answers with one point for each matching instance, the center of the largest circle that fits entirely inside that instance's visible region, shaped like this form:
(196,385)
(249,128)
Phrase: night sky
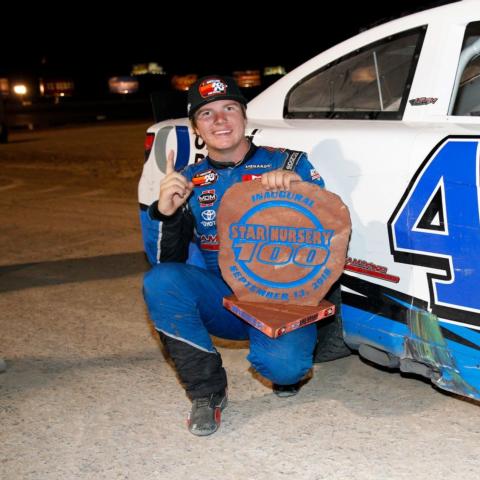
(182,39)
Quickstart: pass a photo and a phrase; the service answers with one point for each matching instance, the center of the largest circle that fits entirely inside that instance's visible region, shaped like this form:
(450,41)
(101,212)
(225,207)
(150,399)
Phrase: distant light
(139,69)
(247,78)
(20,89)
(155,68)
(184,82)
(123,85)
(275,70)
(4,86)
(57,87)
(152,68)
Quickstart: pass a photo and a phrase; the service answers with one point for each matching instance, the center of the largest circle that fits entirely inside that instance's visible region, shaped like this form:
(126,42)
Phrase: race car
(391,120)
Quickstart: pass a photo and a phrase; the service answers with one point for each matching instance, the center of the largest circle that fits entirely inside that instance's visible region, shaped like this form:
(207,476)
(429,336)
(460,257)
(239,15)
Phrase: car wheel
(330,344)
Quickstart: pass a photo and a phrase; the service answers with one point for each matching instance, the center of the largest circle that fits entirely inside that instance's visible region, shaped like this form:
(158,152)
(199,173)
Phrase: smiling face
(221,124)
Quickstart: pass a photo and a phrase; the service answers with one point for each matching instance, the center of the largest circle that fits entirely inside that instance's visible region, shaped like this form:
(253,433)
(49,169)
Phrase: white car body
(409,285)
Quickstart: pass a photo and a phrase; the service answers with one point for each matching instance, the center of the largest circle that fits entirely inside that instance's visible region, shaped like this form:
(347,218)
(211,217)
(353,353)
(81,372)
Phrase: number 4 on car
(391,120)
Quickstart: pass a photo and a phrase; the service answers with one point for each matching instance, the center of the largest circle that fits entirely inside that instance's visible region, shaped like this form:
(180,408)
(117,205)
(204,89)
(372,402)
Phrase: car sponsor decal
(207,198)
(417,102)
(199,145)
(371,269)
(207,177)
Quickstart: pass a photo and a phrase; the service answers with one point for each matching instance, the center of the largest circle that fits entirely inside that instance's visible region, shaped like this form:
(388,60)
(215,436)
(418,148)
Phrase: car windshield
(374,79)
(467,87)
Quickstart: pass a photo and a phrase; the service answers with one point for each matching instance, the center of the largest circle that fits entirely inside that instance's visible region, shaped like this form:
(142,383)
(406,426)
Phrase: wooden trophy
(280,252)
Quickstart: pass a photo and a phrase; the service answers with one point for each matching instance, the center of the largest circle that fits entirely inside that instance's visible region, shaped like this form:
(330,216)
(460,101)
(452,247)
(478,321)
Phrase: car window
(467,88)
(370,83)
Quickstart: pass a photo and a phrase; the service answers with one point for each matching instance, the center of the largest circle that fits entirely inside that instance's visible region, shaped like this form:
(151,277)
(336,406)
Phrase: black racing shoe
(286,390)
(205,416)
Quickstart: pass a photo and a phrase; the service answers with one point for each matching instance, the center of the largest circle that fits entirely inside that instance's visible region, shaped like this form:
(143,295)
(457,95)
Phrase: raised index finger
(170,166)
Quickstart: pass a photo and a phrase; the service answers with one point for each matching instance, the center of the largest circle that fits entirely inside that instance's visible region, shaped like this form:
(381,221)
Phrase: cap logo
(212,87)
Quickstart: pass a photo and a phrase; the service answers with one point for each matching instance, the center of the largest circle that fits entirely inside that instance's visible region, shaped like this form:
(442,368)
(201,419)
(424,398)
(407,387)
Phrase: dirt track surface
(105,150)
(87,393)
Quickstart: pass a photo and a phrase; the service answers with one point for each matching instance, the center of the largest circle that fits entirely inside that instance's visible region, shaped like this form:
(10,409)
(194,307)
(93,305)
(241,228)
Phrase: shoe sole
(285,394)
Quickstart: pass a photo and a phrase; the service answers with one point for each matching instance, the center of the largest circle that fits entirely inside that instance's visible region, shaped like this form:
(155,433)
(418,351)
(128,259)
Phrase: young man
(185,301)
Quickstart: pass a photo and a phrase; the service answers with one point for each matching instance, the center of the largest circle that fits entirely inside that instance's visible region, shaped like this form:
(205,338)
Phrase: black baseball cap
(212,88)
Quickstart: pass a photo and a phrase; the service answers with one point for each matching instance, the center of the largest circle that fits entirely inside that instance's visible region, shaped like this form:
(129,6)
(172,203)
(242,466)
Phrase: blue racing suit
(184,289)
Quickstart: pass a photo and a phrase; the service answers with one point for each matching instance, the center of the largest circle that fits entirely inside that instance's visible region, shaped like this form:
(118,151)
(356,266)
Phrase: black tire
(330,344)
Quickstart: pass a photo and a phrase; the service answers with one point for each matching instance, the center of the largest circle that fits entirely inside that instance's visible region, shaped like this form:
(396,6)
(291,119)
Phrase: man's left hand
(279,179)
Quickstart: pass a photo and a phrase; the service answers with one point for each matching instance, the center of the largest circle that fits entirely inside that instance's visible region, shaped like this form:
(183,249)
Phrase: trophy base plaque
(276,320)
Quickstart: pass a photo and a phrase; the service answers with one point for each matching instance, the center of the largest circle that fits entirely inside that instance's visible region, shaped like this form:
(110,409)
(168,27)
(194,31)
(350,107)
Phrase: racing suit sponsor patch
(207,177)
(209,242)
(314,174)
(250,176)
(291,161)
(207,198)
(208,218)
(258,165)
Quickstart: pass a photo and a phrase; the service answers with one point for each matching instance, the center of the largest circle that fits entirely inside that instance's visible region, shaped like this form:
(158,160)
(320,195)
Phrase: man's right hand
(174,189)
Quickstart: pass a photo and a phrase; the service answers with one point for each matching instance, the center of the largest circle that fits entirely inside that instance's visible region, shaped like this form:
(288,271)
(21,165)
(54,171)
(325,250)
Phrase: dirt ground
(87,393)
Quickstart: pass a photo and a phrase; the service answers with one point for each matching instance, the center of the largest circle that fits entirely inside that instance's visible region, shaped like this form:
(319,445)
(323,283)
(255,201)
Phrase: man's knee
(280,369)
(287,359)
(163,278)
